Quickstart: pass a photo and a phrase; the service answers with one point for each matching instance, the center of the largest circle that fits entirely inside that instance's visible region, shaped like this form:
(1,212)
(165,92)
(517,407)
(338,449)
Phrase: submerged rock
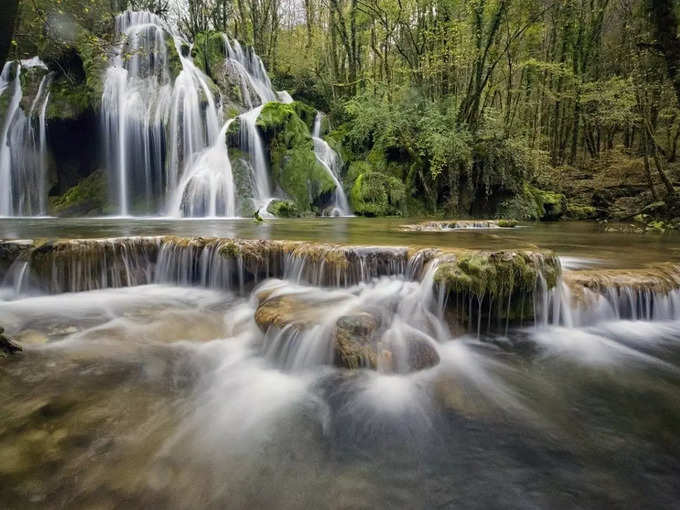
(7,347)
(448,225)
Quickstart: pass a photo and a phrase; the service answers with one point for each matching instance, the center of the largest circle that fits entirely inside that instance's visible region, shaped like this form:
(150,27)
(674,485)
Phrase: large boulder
(294,166)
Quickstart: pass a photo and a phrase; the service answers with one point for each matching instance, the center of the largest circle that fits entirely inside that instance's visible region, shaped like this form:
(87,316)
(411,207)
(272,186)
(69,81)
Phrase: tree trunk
(666,32)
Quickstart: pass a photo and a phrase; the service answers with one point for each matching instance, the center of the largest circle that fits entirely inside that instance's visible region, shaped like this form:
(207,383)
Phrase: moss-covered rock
(88,198)
(376,194)
(243,183)
(174,60)
(502,283)
(535,204)
(294,167)
(581,212)
(306,113)
(283,209)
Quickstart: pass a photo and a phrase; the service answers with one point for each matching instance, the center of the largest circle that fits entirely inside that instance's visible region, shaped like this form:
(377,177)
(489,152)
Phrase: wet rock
(448,225)
(355,342)
(661,278)
(7,347)
(357,338)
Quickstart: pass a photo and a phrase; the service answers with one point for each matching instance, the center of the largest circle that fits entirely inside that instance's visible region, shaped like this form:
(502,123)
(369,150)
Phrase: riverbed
(168,395)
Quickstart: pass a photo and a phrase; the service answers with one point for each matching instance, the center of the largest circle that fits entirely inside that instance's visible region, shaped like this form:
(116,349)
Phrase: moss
(581,212)
(505,223)
(174,60)
(68,101)
(294,166)
(301,176)
(89,197)
(376,194)
(282,127)
(283,209)
(306,113)
(535,204)
(209,52)
(498,277)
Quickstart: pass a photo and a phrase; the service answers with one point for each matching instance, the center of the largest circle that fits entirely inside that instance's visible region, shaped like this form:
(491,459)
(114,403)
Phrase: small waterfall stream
(331,162)
(23,143)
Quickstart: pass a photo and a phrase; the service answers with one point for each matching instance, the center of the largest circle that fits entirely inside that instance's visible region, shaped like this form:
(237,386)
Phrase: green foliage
(376,194)
(534,204)
(283,209)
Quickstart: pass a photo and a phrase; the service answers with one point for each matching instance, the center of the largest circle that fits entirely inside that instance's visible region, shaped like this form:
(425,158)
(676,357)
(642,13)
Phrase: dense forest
(532,109)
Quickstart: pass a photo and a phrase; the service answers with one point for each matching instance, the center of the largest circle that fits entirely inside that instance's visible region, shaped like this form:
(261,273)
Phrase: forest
(530,109)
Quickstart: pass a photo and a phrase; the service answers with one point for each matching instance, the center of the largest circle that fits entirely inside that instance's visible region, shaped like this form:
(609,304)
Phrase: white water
(207,188)
(331,162)
(251,73)
(153,128)
(23,144)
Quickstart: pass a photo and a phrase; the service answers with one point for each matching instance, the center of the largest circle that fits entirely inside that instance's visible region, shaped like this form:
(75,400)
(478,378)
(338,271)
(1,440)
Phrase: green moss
(174,60)
(505,223)
(376,194)
(294,166)
(68,100)
(301,176)
(282,127)
(306,113)
(209,52)
(504,277)
(88,197)
(283,209)
(535,204)
(581,212)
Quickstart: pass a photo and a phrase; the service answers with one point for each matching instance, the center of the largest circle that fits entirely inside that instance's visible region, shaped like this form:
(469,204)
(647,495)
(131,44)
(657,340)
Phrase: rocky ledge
(449,225)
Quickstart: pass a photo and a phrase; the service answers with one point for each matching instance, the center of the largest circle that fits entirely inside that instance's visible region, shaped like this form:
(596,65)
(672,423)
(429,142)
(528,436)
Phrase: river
(167,395)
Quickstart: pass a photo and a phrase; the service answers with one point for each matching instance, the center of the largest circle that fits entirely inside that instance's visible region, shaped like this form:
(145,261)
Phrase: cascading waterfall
(23,139)
(153,127)
(331,162)
(163,138)
(251,72)
(207,188)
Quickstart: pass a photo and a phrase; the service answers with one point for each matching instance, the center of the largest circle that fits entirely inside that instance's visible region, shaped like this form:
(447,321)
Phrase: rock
(294,166)
(355,342)
(89,197)
(7,347)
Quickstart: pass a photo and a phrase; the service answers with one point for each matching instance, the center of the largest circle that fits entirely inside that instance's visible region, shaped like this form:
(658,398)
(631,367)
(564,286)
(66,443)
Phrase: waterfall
(23,144)
(164,147)
(251,72)
(207,189)
(153,127)
(331,162)
(251,143)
